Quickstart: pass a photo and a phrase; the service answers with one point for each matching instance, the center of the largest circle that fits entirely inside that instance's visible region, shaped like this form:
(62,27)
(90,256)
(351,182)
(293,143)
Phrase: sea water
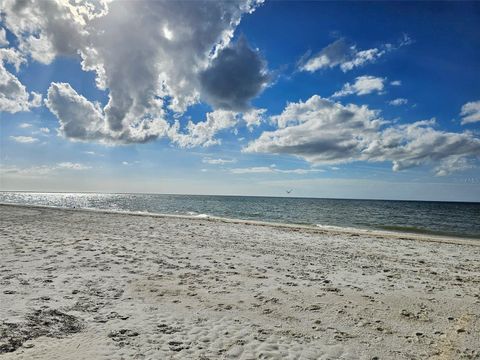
(437,218)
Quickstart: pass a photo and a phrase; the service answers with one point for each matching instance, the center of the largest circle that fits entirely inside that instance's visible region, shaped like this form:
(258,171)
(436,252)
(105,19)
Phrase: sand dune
(91,285)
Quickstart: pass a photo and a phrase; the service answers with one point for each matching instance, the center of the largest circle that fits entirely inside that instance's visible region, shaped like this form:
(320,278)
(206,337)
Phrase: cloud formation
(203,133)
(325,132)
(71,166)
(234,77)
(218,161)
(398,102)
(3,37)
(81,119)
(254,117)
(272,169)
(148,54)
(470,112)
(42,170)
(14,97)
(346,56)
(24,139)
(363,85)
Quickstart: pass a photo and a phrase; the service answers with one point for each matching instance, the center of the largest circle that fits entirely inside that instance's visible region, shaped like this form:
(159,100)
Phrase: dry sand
(89,285)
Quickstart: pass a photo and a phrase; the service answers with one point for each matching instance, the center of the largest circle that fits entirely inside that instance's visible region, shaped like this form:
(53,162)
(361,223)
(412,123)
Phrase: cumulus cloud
(149,55)
(203,133)
(398,102)
(234,77)
(14,97)
(363,85)
(325,132)
(453,164)
(470,112)
(81,119)
(254,117)
(319,130)
(347,56)
(218,161)
(420,143)
(24,139)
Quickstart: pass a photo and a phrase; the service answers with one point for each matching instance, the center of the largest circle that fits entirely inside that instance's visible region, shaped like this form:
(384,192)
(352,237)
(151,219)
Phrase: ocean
(425,217)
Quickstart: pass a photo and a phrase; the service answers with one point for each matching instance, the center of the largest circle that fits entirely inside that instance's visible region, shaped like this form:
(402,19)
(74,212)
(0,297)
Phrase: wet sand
(89,285)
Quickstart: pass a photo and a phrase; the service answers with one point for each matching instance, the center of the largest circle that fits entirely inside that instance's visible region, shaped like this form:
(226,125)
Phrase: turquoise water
(441,218)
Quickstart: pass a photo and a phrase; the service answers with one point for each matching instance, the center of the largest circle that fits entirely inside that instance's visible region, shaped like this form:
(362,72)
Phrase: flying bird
(288,191)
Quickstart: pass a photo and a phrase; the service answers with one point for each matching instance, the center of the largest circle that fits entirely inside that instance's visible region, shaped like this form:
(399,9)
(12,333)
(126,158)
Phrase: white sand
(88,285)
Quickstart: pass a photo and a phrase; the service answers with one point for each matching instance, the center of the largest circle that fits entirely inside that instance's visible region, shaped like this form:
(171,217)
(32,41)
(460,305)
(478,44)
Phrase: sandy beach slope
(91,285)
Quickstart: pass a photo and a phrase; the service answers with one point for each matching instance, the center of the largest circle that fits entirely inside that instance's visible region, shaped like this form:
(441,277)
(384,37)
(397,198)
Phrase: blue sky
(330,99)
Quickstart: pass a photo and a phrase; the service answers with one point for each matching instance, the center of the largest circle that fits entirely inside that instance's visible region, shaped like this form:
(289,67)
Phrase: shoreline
(321,229)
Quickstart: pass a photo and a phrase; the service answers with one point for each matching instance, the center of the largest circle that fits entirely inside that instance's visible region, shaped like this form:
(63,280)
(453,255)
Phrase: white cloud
(93,153)
(13,57)
(361,58)
(254,117)
(71,166)
(470,112)
(346,56)
(253,170)
(272,170)
(30,171)
(332,55)
(82,120)
(45,130)
(218,161)
(146,70)
(3,37)
(419,144)
(396,83)
(203,133)
(324,132)
(14,97)
(319,130)
(453,164)
(42,170)
(363,85)
(398,102)
(25,125)
(24,139)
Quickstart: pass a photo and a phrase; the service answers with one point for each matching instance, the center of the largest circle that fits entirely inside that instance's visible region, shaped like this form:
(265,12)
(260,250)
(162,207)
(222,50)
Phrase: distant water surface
(440,218)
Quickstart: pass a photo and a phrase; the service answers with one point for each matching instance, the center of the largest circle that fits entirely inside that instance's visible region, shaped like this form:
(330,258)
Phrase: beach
(91,284)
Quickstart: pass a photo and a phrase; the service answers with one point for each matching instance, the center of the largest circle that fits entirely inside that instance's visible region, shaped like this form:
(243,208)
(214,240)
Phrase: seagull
(288,191)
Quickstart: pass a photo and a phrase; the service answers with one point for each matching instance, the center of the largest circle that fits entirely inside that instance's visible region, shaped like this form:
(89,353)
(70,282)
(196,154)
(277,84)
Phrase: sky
(377,100)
